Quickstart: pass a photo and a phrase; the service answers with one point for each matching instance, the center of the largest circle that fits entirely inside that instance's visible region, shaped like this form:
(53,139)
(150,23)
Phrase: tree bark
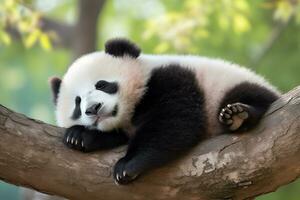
(85,35)
(229,166)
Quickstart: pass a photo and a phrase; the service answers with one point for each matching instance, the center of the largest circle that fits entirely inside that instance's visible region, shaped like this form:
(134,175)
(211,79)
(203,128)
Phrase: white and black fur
(161,105)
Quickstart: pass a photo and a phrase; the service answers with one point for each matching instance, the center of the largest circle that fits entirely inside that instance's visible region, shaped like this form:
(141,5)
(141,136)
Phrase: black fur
(86,140)
(77,111)
(170,119)
(256,98)
(107,87)
(120,47)
(55,83)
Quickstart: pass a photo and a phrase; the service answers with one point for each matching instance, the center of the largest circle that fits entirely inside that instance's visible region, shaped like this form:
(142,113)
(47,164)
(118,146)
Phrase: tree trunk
(85,35)
(225,167)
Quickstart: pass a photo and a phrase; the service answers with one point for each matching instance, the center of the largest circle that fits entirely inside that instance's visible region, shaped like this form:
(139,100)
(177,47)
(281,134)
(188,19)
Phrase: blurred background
(40,38)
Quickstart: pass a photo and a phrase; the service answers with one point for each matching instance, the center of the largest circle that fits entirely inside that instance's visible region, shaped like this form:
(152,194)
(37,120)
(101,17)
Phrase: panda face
(99,91)
(97,105)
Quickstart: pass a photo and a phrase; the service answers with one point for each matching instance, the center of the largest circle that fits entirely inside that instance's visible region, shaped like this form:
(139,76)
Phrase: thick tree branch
(225,167)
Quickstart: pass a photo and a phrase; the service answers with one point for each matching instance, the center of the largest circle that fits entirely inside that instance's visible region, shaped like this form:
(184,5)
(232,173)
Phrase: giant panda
(160,105)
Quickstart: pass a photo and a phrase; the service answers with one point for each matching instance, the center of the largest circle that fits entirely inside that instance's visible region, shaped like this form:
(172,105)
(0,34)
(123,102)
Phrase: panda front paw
(234,115)
(75,137)
(123,174)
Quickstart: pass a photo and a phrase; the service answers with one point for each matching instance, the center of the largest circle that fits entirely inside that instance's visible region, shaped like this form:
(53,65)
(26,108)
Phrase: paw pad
(233,115)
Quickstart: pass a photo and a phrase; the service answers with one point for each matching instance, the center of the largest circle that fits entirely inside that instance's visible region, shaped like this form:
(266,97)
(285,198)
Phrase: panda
(160,105)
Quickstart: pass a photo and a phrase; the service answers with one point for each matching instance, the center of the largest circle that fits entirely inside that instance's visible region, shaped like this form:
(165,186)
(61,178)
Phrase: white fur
(214,76)
(80,80)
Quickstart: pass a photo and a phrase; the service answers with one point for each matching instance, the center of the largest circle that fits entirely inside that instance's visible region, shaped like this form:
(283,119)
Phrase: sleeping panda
(161,105)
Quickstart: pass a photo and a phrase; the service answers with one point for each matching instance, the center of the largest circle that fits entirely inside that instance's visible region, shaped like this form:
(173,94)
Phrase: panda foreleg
(149,150)
(86,140)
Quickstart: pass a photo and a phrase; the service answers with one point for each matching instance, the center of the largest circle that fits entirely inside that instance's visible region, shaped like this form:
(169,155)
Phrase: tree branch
(225,167)
(63,31)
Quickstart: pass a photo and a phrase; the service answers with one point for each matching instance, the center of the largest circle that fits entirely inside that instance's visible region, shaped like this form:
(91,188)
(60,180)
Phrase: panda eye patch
(77,111)
(107,87)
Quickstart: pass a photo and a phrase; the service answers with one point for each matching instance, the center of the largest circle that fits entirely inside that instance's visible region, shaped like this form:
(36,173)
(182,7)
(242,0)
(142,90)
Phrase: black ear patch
(55,83)
(120,47)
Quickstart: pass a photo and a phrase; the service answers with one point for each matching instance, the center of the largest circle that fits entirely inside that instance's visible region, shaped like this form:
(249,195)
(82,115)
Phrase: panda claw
(76,142)
(72,140)
(124,173)
(68,139)
(82,144)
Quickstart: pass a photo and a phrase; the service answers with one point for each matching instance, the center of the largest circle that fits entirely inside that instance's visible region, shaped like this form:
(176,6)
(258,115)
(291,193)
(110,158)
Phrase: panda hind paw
(234,115)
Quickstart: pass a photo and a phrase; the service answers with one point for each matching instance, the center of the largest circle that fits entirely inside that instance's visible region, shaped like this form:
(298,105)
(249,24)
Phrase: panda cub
(161,105)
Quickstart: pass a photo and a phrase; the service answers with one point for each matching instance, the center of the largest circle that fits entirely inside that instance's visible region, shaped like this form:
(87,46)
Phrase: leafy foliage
(16,17)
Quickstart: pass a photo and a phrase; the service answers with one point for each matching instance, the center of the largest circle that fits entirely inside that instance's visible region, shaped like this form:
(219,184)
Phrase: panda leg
(239,116)
(82,139)
(150,150)
(244,105)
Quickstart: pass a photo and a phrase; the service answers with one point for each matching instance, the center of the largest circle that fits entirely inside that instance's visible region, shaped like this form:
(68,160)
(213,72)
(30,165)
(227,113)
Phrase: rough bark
(225,167)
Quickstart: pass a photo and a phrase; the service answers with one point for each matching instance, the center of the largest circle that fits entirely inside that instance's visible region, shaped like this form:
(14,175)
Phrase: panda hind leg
(239,116)
(244,105)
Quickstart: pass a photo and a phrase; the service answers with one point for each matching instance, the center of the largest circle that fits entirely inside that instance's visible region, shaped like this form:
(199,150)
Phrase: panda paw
(74,138)
(233,115)
(123,174)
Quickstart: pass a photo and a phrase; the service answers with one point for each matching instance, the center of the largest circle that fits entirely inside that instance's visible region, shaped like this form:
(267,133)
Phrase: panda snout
(93,110)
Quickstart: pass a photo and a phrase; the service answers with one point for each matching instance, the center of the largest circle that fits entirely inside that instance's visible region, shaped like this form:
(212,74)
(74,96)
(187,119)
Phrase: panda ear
(55,83)
(120,47)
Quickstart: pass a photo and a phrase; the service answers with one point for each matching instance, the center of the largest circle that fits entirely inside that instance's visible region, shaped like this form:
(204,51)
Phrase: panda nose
(93,110)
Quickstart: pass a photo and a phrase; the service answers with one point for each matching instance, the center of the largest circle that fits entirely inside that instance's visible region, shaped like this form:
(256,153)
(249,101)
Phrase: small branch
(63,31)
(225,167)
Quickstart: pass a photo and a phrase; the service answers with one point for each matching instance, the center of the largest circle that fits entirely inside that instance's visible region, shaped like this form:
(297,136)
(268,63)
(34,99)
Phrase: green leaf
(31,39)
(5,37)
(45,42)
(240,23)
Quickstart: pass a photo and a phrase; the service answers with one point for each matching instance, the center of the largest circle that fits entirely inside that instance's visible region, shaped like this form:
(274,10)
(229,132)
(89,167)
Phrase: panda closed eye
(107,87)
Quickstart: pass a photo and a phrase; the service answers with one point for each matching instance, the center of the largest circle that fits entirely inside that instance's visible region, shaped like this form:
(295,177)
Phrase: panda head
(100,89)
